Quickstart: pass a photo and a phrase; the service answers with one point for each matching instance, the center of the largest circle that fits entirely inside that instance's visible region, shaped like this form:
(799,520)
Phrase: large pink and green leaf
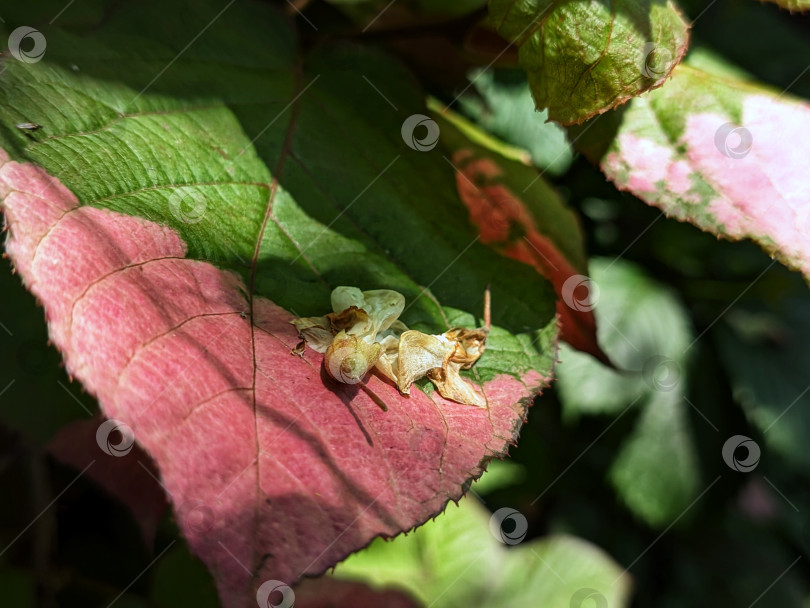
(180,204)
(584,57)
(719,151)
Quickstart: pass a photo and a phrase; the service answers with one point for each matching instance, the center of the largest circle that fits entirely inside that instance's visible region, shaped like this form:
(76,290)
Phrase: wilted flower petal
(364,332)
(452,386)
(419,353)
(316,331)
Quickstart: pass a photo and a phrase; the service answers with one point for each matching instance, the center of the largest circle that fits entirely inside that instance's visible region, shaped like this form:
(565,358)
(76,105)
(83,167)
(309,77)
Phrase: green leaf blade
(584,58)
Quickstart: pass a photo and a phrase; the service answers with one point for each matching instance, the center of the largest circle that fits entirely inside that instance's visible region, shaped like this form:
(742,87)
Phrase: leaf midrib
(294,108)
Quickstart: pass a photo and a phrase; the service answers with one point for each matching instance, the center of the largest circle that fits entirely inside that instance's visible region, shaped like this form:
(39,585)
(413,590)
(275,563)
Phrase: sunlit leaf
(181,204)
(719,151)
(457,560)
(584,57)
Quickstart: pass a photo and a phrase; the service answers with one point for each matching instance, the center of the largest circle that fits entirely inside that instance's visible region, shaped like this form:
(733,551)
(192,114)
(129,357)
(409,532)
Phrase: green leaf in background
(500,474)
(716,150)
(776,48)
(585,57)
(645,331)
(456,561)
(759,344)
(502,104)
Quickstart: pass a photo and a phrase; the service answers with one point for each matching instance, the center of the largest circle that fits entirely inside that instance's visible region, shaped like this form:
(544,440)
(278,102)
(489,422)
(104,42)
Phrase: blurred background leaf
(646,332)
(460,559)
(501,103)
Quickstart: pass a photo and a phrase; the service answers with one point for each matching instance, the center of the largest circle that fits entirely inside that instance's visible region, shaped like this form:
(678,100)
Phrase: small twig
(487,309)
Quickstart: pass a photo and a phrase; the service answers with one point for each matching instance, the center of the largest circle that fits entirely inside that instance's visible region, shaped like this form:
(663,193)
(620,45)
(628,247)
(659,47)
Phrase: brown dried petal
(299,348)
(452,386)
(387,363)
(354,320)
(316,331)
(384,307)
(472,343)
(441,358)
(419,353)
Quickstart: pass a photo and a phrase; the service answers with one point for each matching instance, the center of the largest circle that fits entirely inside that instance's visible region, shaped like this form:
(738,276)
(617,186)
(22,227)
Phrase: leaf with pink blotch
(719,151)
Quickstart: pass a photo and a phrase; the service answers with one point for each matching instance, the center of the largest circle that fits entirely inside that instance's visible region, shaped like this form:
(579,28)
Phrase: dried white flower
(364,332)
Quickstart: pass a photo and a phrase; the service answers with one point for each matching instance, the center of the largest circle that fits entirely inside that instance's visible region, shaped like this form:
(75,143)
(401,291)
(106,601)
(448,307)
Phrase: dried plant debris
(364,332)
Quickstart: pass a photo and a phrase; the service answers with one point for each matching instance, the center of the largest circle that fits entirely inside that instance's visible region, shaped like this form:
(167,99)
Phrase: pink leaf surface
(682,150)
(274,471)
